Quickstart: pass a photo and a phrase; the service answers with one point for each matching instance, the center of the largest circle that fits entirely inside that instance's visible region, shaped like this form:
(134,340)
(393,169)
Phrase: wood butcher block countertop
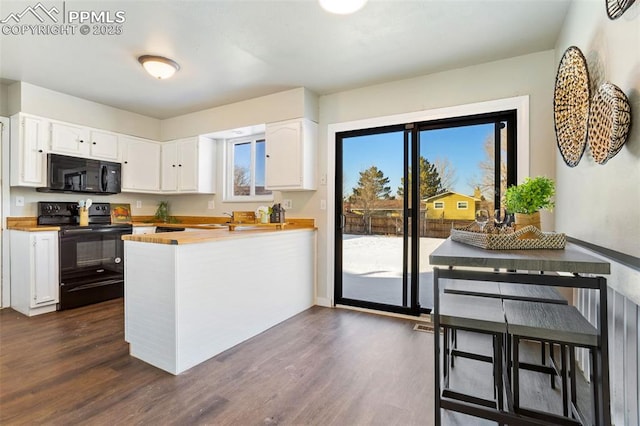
(209,235)
(28,224)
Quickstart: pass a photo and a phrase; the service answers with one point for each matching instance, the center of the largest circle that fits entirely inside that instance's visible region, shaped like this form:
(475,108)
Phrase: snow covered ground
(372,269)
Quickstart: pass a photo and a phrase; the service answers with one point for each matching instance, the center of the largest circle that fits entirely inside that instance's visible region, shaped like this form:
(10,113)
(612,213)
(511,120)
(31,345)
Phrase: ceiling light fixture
(342,7)
(159,66)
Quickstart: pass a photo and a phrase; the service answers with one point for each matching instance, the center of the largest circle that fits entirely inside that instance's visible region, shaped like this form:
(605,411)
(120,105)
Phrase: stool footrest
(539,368)
(471,355)
(448,393)
(550,417)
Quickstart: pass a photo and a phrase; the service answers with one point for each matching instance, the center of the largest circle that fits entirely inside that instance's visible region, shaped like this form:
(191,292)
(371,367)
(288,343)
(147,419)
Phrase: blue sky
(463,146)
(242,157)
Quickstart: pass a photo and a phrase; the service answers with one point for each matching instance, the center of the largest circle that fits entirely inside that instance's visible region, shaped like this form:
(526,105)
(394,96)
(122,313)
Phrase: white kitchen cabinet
(188,165)
(69,139)
(140,165)
(103,145)
(291,155)
(34,272)
(143,230)
(29,142)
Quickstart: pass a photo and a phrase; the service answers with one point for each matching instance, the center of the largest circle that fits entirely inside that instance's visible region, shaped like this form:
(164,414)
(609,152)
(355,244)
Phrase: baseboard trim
(422,318)
(324,301)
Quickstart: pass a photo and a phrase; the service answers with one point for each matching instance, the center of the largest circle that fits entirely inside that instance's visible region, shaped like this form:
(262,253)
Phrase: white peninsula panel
(185,303)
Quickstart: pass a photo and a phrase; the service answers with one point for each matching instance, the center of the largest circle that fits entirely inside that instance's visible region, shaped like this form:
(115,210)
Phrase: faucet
(228,214)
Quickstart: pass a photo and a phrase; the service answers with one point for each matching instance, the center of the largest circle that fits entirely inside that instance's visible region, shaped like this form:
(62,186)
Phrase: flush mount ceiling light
(342,7)
(159,66)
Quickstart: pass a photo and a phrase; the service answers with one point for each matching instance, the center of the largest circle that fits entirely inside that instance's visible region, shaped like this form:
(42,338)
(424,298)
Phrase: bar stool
(478,315)
(552,324)
(509,291)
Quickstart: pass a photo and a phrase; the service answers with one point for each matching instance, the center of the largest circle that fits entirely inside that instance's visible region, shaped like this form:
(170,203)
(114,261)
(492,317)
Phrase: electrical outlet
(323,204)
(19,201)
(287,204)
(323,179)
(138,204)
(211,204)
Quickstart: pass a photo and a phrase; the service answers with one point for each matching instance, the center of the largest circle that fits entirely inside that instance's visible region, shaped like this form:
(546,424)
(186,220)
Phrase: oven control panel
(65,213)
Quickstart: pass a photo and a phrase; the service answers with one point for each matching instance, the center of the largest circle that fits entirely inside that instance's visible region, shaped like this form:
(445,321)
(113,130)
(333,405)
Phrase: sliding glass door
(400,189)
(373,219)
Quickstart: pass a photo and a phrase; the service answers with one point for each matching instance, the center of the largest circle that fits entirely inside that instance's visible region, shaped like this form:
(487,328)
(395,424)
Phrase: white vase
(264,218)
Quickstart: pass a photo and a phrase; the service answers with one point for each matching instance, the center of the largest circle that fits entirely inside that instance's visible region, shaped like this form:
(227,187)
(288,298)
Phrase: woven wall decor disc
(615,8)
(609,122)
(571,105)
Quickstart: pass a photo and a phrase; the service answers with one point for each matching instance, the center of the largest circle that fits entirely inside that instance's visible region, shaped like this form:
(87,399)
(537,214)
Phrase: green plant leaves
(530,196)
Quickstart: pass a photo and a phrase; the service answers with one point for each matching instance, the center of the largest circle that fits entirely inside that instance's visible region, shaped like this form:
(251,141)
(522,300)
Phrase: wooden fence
(384,225)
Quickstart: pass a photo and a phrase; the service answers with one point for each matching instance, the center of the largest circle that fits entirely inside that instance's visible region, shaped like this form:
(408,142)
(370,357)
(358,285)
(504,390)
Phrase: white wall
(25,97)
(606,198)
(4,101)
(531,75)
(608,194)
(294,103)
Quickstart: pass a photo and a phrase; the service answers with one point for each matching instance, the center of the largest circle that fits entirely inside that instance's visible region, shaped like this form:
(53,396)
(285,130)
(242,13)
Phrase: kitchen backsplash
(179,205)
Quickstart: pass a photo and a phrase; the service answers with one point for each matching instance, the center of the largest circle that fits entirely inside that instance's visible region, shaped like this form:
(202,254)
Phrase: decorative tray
(518,240)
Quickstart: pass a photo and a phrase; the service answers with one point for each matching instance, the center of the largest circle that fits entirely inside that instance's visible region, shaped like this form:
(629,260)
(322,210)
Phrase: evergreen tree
(430,182)
(372,187)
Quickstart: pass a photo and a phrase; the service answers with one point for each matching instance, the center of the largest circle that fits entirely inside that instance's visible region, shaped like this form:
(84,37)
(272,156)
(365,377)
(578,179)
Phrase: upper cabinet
(69,139)
(140,165)
(181,166)
(29,145)
(188,165)
(78,141)
(103,145)
(291,155)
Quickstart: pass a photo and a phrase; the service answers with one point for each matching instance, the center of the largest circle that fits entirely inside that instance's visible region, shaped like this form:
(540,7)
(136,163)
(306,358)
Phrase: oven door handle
(90,230)
(92,285)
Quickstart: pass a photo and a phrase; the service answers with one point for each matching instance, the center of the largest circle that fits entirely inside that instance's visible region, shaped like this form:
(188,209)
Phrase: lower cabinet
(34,271)
(144,230)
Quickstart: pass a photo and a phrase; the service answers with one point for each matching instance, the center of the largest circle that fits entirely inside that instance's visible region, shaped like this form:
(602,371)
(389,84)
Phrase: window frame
(466,205)
(436,203)
(228,195)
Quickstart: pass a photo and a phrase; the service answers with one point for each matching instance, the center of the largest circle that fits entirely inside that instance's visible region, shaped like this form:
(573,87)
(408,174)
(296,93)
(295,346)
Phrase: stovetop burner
(67,215)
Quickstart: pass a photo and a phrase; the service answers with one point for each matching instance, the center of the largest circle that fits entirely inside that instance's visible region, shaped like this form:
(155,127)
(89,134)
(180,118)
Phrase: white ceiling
(233,50)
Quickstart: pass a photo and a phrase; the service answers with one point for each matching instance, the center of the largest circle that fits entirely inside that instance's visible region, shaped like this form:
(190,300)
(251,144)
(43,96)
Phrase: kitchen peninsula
(192,295)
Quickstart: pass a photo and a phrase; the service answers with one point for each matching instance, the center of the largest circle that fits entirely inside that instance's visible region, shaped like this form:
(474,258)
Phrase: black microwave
(74,174)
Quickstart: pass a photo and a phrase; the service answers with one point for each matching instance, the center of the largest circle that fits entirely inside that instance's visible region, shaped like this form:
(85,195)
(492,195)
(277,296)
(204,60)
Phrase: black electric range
(91,257)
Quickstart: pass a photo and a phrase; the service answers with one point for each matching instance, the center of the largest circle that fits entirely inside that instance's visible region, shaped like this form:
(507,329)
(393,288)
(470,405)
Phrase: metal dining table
(458,261)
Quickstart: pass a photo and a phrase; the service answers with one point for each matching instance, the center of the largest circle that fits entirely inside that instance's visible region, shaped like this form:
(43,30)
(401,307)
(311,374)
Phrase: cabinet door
(104,145)
(140,165)
(69,139)
(284,155)
(143,230)
(188,164)
(44,258)
(169,166)
(33,137)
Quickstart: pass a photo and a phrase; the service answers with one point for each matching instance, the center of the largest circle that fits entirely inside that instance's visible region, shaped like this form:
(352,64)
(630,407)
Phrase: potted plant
(262,214)
(527,199)
(162,213)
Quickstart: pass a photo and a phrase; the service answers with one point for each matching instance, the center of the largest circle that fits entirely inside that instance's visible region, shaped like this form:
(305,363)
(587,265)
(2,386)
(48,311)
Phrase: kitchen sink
(212,225)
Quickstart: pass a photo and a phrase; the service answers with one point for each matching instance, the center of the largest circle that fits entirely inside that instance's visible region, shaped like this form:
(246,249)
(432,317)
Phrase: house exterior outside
(451,206)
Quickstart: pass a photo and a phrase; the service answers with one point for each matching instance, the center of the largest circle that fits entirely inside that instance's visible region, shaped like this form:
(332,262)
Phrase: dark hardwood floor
(324,366)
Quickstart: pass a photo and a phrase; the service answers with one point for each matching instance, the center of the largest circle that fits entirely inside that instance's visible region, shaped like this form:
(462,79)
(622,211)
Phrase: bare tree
(486,180)
(447,173)
(241,181)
